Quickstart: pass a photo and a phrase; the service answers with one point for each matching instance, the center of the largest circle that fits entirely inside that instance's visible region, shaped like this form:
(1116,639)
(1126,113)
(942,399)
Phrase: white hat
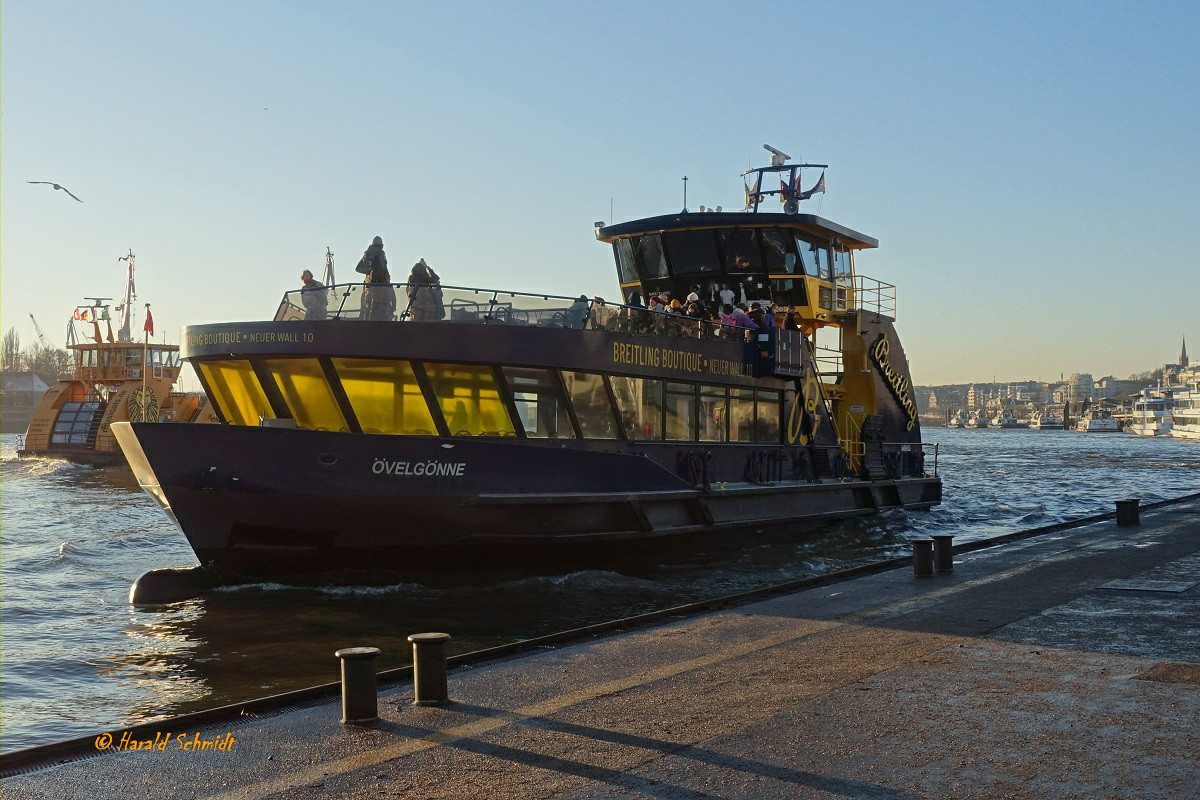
(693,298)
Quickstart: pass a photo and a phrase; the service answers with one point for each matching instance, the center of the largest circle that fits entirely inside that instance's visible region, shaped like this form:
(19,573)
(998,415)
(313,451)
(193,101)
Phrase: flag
(79,314)
(149,326)
(746,186)
(820,187)
(785,191)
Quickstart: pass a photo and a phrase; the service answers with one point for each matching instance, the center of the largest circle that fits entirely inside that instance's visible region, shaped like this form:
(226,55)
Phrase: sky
(1029,168)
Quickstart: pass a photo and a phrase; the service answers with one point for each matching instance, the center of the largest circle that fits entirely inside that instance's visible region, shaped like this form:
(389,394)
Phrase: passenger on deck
(741,319)
(425,294)
(314,297)
(577,314)
(379,301)
(757,315)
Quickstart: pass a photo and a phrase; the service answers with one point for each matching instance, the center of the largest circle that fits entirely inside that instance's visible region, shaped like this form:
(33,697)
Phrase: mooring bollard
(923,558)
(943,551)
(1128,512)
(429,668)
(359,695)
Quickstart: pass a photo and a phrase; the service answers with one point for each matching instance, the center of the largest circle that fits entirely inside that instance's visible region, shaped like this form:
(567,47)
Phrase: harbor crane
(38,329)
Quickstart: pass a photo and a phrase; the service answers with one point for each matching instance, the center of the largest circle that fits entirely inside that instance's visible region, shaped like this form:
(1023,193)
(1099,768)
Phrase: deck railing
(406,302)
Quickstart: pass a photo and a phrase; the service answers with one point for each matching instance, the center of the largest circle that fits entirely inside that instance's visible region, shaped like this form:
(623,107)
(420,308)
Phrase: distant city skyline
(1029,169)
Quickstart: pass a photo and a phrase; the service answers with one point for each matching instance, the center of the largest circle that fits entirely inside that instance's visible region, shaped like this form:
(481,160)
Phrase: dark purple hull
(262,503)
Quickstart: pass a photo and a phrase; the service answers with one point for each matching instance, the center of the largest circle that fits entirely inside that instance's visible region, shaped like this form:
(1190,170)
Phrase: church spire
(1183,359)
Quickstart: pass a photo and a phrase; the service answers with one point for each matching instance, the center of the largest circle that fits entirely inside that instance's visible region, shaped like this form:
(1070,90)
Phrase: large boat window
(540,408)
(593,409)
(766,427)
(236,390)
(740,246)
(626,268)
(650,255)
(680,411)
(841,262)
(779,249)
(814,256)
(741,415)
(640,403)
(73,423)
(470,400)
(714,417)
(789,292)
(692,252)
(303,386)
(385,396)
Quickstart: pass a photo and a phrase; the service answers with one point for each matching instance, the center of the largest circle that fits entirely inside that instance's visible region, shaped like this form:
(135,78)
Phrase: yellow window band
(236,389)
(470,400)
(303,386)
(385,396)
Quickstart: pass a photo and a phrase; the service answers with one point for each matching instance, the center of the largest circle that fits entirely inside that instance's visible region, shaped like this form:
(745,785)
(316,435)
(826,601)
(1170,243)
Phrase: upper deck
(116,362)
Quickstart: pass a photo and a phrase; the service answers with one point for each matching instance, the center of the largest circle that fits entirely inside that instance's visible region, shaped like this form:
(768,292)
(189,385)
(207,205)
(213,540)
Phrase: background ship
(113,379)
(518,428)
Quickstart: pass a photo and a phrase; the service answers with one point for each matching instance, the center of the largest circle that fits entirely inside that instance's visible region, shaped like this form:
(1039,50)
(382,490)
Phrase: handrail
(357,301)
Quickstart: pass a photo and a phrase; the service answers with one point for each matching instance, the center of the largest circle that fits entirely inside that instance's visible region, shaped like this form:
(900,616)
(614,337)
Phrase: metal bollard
(943,551)
(1128,512)
(359,694)
(923,558)
(429,668)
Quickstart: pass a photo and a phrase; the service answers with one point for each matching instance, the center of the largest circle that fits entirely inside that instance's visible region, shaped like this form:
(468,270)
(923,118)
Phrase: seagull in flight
(56,186)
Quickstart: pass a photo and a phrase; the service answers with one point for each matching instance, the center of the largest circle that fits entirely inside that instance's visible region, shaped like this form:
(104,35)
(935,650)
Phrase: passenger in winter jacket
(425,294)
(379,298)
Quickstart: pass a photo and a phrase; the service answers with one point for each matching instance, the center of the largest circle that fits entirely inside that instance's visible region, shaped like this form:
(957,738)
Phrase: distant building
(20,393)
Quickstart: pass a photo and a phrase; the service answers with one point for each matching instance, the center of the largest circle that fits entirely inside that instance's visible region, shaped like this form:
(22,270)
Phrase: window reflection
(650,255)
(303,386)
(625,265)
(540,408)
(741,415)
(766,426)
(593,408)
(385,396)
(236,390)
(640,404)
(740,246)
(779,248)
(692,252)
(713,417)
(470,400)
(680,410)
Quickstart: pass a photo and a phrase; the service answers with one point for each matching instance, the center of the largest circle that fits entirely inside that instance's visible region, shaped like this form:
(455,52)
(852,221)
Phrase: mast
(328,280)
(127,297)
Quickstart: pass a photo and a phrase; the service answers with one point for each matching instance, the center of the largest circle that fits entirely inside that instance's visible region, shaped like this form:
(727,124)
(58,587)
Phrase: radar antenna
(778,157)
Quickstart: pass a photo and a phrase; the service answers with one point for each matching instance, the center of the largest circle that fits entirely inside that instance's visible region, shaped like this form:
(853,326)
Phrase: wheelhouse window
(385,396)
(692,252)
(470,400)
(650,256)
(740,246)
(593,409)
(626,268)
(640,403)
(538,400)
(814,256)
(841,262)
(680,412)
(236,390)
(779,250)
(302,384)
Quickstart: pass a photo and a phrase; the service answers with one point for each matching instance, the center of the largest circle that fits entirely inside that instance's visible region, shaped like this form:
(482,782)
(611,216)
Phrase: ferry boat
(959,420)
(1151,415)
(1185,411)
(1004,419)
(113,379)
(1097,420)
(509,428)
(1046,420)
(978,420)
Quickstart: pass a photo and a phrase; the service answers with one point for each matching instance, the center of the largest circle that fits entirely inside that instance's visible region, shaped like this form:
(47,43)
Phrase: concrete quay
(1065,665)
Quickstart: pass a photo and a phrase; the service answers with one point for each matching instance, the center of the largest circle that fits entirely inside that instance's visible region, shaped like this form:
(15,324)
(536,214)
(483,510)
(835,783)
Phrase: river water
(78,659)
